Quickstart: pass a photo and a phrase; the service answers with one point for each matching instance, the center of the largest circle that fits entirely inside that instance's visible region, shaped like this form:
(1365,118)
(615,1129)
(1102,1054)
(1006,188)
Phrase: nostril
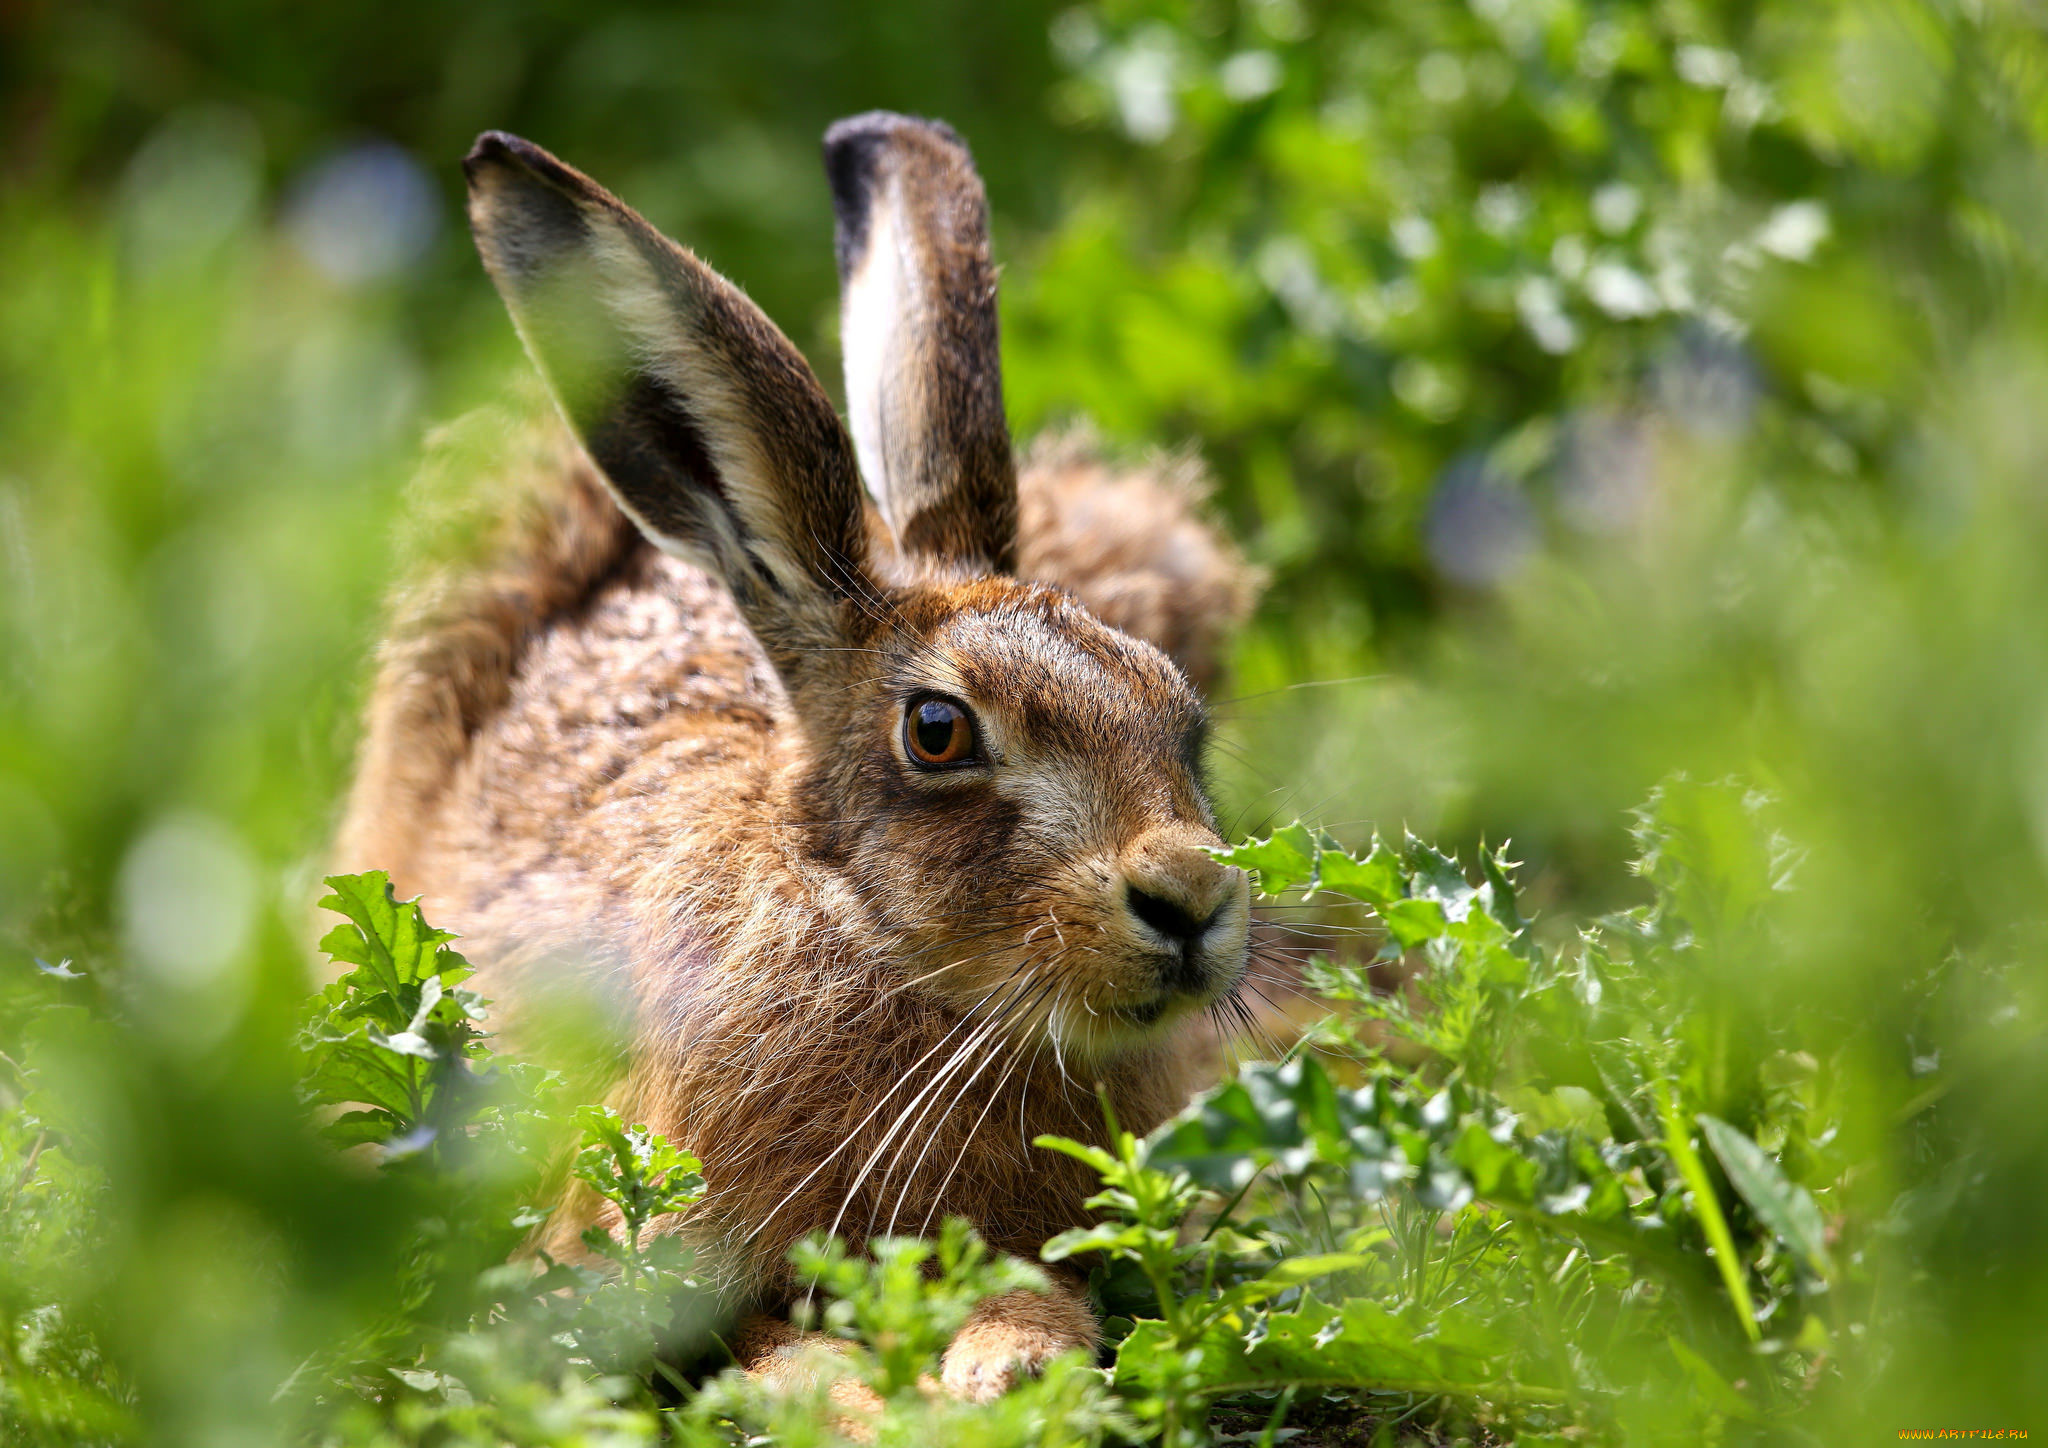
(1169,917)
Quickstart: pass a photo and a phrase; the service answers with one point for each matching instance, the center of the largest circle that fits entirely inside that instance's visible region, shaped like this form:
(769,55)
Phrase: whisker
(939,1196)
(874,1111)
(958,1096)
(903,1116)
(1303,684)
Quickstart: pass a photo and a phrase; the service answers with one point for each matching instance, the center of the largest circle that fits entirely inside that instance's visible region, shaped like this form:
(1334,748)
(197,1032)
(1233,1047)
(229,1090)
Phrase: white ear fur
(918,334)
(873,301)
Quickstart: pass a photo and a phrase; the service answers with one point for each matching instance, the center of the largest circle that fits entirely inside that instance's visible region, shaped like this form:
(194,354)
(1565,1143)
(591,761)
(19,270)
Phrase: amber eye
(937,731)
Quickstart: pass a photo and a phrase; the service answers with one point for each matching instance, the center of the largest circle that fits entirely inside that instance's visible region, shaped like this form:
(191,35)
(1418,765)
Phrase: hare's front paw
(1011,1336)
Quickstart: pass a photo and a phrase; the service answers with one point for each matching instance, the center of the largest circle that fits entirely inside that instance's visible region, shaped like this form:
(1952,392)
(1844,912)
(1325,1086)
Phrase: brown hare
(884,815)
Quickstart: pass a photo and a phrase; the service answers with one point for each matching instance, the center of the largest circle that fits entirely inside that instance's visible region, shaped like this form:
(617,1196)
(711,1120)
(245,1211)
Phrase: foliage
(1486,1233)
(395,1032)
(1429,260)
(898,1325)
(1621,395)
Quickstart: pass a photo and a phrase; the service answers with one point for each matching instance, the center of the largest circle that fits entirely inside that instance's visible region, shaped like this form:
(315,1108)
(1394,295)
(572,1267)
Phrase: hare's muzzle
(1188,911)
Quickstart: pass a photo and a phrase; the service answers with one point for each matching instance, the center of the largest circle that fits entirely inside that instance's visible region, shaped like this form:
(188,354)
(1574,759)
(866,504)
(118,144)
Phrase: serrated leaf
(362,1073)
(1284,861)
(1433,875)
(1376,879)
(390,939)
(1501,902)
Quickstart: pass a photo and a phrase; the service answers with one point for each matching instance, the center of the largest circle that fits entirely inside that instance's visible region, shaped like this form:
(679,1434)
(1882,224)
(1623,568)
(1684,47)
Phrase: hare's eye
(937,731)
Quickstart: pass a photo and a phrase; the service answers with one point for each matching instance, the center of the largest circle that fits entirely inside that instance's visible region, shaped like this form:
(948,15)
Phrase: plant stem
(1678,1142)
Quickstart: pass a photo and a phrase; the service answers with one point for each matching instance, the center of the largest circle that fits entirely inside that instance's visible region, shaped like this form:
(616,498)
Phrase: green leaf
(1376,879)
(355,1128)
(1283,862)
(359,1072)
(1412,922)
(1779,1203)
(1433,875)
(637,1170)
(1707,1208)
(1094,1156)
(1102,1237)
(1292,1273)
(387,939)
(1361,1345)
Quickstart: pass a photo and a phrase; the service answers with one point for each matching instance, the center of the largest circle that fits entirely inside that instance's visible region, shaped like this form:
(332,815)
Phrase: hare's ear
(924,386)
(706,422)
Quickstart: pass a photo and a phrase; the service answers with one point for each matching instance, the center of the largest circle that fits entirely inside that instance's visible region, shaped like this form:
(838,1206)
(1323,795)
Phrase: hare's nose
(1173,886)
(1171,918)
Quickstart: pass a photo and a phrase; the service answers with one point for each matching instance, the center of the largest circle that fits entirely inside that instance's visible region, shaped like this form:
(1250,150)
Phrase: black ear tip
(853,144)
(502,152)
(854,151)
(869,128)
(492,148)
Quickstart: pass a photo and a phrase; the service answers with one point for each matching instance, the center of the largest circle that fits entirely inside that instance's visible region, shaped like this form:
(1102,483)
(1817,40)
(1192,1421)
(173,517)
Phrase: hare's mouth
(1145,1013)
(1185,980)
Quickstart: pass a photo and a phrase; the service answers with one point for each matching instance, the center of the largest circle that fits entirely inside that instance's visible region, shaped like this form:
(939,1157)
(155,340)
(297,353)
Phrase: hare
(893,843)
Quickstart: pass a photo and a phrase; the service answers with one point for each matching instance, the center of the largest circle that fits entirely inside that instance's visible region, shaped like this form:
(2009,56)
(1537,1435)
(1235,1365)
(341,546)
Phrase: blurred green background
(1610,388)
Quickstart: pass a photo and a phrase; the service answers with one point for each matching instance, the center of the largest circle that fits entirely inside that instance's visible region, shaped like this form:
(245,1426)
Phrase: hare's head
(1009,789)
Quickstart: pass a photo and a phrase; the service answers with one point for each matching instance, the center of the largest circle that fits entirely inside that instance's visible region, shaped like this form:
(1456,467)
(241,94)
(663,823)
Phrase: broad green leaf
(1779,1203)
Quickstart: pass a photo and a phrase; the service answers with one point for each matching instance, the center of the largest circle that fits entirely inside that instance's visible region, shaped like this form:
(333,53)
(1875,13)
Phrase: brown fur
(1131,543)
(855,988)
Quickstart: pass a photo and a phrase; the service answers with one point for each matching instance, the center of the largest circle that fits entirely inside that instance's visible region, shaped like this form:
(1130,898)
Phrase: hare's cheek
(936,850)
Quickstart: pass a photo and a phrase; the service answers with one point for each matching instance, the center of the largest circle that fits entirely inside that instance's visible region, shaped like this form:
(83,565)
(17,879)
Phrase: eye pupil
(938,732)
(935,724)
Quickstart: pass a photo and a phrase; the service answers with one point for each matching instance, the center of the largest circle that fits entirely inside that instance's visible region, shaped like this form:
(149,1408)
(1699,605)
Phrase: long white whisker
(854,1134)
(959,1095)
(1023,1099)
(991,1034)
(939,1196)
(904,1116)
